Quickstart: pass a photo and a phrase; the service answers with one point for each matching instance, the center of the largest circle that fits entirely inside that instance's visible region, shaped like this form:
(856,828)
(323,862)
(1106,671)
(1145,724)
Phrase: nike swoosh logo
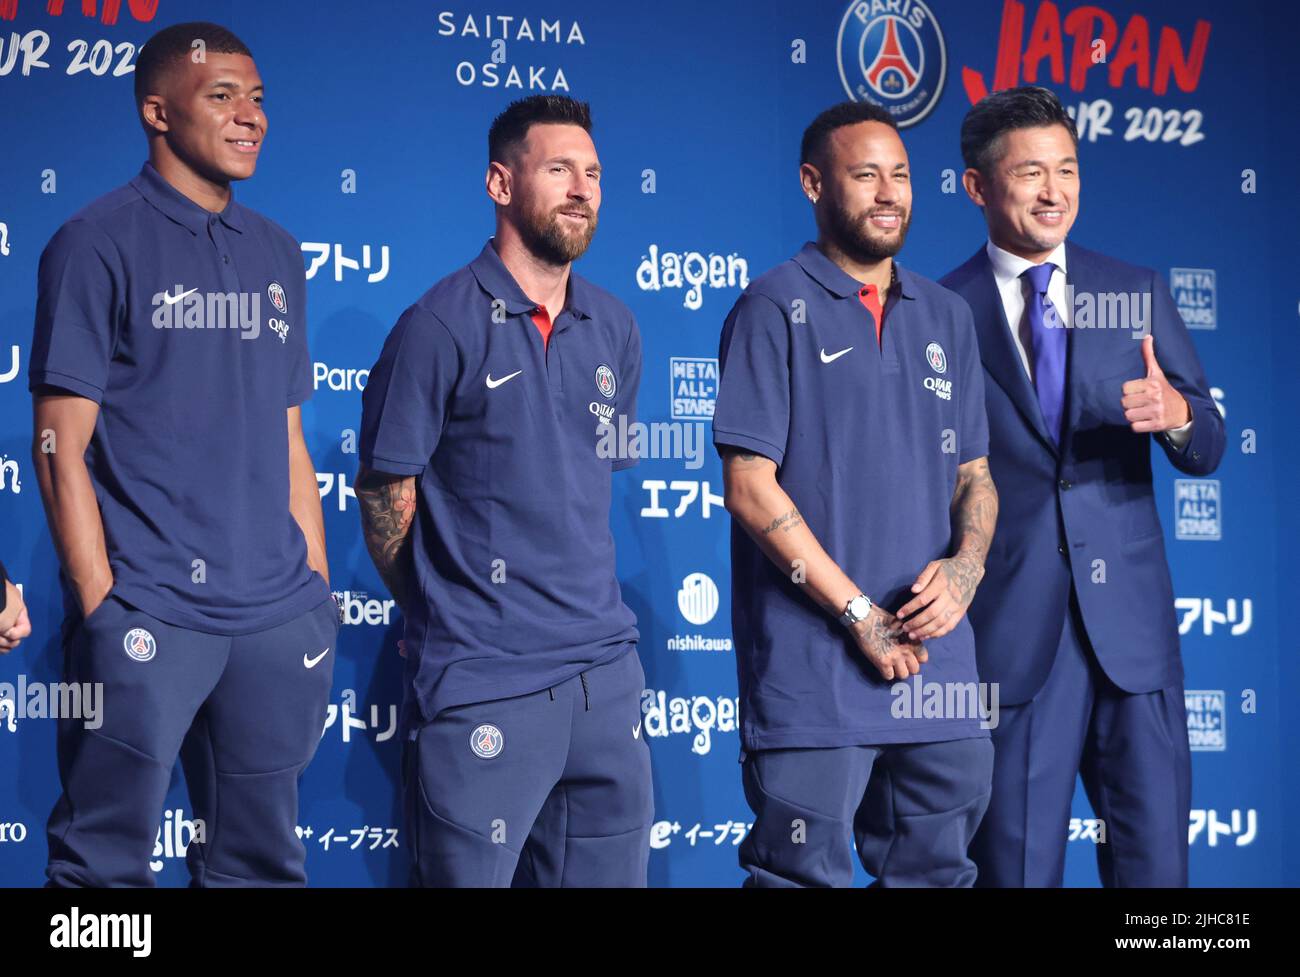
(173,299)
(313,662)
(636,731)
(493,384)
(834,356)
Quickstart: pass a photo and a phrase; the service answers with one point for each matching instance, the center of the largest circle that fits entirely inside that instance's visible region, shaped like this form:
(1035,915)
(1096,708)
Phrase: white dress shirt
(1007,269)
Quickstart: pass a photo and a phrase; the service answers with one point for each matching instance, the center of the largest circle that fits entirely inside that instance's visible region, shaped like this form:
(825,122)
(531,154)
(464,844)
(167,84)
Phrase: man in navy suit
(1087,363)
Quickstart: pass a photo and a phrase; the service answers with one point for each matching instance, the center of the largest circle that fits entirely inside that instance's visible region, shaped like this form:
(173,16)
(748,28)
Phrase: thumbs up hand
(1150,404)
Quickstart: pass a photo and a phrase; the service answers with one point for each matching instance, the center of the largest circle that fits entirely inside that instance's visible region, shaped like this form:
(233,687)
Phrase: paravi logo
(891,53)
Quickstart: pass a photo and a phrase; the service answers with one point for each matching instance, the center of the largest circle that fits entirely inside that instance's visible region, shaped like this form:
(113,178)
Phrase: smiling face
(864,191)
(1031,194)
(554,192)
(211,115)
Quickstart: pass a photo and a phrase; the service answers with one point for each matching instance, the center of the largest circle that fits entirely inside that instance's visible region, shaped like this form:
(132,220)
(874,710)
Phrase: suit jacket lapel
(998,351)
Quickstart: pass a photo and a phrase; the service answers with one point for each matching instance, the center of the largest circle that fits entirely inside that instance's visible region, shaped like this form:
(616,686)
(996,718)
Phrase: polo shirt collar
(495,279)
(180,208)
(838,282)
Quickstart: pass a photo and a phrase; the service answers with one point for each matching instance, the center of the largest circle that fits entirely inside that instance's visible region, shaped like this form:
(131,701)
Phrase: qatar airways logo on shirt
(182,308)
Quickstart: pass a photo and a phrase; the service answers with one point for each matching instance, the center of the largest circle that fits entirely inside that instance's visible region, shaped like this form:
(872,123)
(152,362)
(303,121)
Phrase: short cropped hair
(992,117)
(510,128)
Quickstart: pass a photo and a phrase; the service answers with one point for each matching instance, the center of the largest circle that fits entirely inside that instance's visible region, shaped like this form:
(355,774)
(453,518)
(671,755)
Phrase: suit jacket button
(1061,549)
(1065,483)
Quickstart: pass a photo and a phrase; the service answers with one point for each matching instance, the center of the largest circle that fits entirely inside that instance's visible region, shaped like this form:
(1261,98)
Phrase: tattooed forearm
(387,510)
(974,510)
(962,574)
(785,522)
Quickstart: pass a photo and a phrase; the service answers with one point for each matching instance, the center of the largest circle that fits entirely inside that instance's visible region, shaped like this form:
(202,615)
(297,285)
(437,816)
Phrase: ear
(810,179)
(973,183)
(497,182)
(153,112)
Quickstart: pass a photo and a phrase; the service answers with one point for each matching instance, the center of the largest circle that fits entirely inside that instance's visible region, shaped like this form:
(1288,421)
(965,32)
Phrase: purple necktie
(1048,336)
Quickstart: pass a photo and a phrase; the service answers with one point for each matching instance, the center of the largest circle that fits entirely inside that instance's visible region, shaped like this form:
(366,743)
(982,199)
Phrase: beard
(855,237)
(553,241)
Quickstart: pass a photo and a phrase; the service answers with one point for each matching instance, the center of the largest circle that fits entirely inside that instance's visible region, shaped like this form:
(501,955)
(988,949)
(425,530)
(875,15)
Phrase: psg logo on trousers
(892,54)
(486,741)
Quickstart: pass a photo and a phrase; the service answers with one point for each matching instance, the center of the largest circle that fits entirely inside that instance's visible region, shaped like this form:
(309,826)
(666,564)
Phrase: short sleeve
(404,405)
(79,307)
(973,438)
(629,387)
(752,410)
(299,382)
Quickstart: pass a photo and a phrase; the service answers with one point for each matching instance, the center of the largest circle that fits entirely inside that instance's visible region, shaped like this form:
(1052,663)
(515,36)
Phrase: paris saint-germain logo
(275,292)
(139,645)
(605,381)
(934,354)
(892,53)
(486,741)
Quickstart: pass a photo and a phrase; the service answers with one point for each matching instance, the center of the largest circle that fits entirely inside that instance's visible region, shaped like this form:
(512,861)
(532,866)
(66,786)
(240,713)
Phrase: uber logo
(360,608)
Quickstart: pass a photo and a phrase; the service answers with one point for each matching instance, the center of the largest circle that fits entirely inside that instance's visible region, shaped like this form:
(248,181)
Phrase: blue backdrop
(374,160)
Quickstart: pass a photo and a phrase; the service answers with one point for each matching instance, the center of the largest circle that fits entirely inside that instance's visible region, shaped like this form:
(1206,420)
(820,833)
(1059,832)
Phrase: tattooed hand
(882,640)
(943,591)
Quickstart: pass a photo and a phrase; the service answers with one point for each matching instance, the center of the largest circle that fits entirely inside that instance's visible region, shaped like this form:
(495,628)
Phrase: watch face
(859,607)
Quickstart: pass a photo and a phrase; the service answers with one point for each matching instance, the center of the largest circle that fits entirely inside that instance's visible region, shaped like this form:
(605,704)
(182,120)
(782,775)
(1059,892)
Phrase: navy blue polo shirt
(513,554)
(188,328)
(867,440)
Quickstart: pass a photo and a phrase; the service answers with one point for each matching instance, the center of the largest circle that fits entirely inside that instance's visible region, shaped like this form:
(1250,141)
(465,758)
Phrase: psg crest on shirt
(139,645)
(891,52)
(275,292)
(934,355)
(486,741)
(605,381)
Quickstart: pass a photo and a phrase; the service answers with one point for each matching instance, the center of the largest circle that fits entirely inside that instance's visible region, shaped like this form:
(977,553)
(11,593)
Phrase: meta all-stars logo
(891,52)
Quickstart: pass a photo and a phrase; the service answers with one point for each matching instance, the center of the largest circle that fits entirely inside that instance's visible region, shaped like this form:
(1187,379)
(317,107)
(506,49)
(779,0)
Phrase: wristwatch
(856,610)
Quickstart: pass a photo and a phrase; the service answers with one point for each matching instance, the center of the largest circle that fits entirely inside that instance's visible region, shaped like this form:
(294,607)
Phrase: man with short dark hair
(850,419)
(169,363)
(485,499)
(1075,619)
